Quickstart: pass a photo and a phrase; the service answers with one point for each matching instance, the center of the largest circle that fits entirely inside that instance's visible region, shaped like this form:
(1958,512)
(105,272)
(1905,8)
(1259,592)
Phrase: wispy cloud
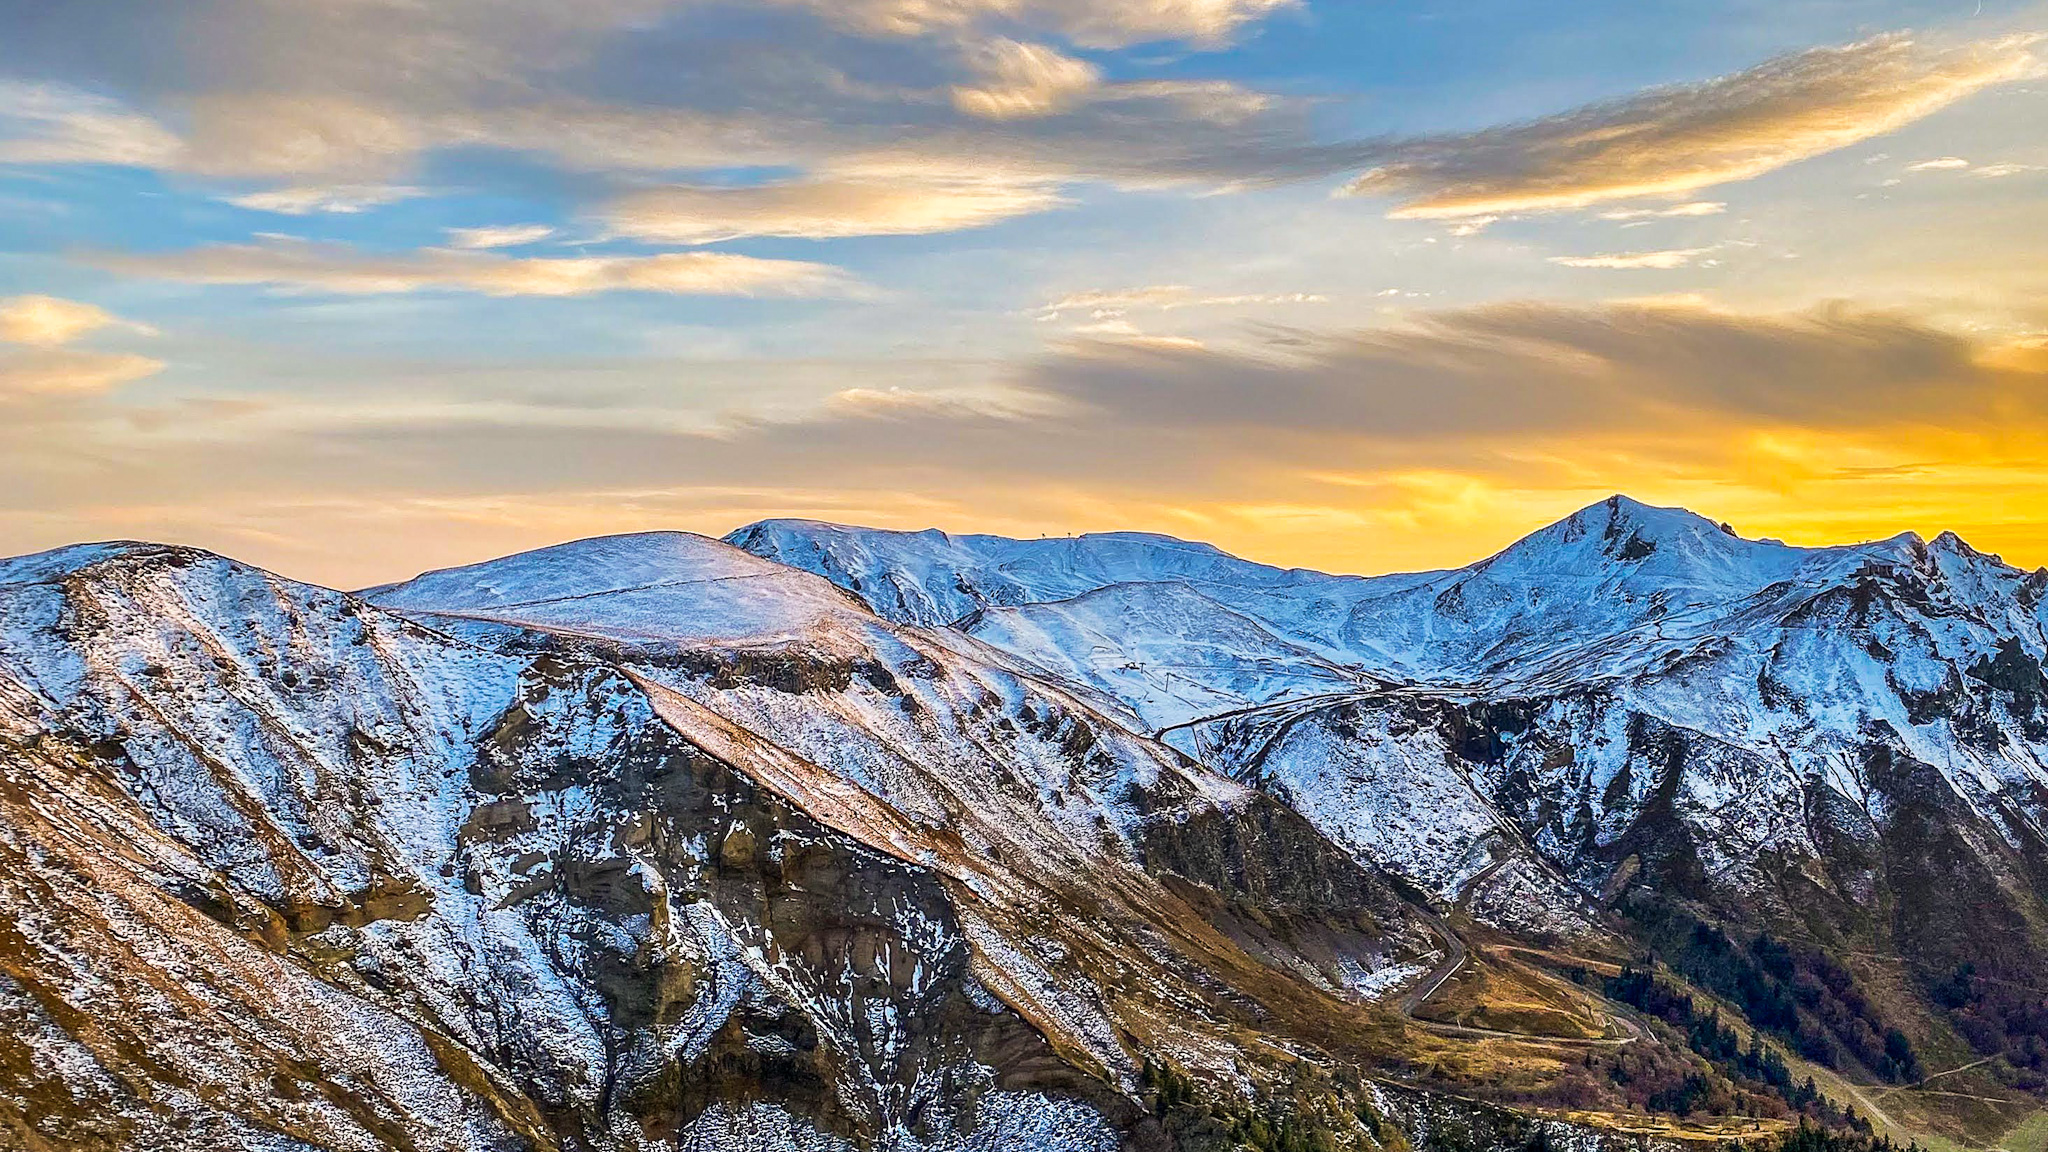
(1022,80)
(35,359)
(1154,296)
(821,209)
(54,124)
(1670,141)
(1693,208)
(48,321)
(68,371)
(336,199)
(1958,164)
(499,236)
(1667,258)
(1532,367)
(1165,297)
(1093,23)
(332,268)
(951,403)
(301,136)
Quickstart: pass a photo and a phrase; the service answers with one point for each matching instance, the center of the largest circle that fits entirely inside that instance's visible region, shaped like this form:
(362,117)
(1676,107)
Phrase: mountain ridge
(575,865)
(652,834)
(1634,712)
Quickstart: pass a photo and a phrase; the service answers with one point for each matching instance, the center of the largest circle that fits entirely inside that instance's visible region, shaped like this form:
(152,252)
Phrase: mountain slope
(1607,591)
(933,578)
(647,842)
(288,869)
(1782,653)
(1633,709)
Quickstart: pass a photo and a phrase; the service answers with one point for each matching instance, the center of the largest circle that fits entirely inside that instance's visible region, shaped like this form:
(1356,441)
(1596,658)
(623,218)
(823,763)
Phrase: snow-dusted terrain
(828,837)
(636,843)
(1628,666)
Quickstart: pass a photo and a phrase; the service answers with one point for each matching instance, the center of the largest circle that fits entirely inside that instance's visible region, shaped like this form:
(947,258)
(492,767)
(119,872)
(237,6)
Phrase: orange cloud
(47,321)
(1425,443)
(41,365)
(60,372)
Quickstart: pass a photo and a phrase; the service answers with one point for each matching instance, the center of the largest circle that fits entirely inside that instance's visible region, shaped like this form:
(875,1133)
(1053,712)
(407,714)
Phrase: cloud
(40,372)
(821,209)
(1473,225)
(1536,369)
(1165,297)
(35,361)
(1694,208)
(325,94)
(53,124)
(1511,376)
(1090,23)
(952,403)
(1958,164)
(292,135)
(302,266)
(961,111)
(1024,80)
(1668,258)
(336,199)
(1670,141)
(1283,444)
(498,236)
(47,321)
(1158,295)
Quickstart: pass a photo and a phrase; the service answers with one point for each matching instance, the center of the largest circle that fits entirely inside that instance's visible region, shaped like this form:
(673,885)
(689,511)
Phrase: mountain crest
(59,563)
(1620,534)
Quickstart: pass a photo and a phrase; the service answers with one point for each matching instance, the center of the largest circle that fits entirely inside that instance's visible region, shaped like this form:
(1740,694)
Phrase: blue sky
(355,287)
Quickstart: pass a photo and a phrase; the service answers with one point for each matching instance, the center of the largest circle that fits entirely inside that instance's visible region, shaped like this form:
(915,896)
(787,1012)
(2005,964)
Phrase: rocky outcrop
(287,869)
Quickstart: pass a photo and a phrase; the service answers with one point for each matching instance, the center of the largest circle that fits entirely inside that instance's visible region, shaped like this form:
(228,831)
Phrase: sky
(353,289)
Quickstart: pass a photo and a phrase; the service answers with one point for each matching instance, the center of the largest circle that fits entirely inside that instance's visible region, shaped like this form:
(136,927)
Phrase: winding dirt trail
(1456,953)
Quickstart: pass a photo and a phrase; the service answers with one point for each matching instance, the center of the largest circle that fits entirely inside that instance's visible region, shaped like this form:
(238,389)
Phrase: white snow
(1771,661)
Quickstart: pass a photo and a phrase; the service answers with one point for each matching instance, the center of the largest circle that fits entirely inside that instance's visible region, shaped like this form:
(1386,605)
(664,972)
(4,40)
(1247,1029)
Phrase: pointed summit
(1623,534)
(1949,543)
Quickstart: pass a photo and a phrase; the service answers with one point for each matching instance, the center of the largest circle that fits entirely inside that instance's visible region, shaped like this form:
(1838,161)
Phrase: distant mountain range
(826,837)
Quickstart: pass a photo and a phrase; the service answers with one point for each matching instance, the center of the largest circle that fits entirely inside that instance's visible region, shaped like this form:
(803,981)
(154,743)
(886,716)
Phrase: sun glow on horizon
(355,290)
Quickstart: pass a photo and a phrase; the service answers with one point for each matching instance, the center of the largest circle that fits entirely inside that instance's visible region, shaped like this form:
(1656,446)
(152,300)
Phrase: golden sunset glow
(361,288)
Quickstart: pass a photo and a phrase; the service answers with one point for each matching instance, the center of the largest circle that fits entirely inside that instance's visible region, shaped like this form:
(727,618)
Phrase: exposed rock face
(286,869)
(652,843)
(1842,743)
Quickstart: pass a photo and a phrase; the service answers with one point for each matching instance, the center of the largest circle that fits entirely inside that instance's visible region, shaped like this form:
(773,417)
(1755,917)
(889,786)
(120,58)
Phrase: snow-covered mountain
(1629,689)
(634,843)
(832,838)
(933,578)
(1607,592)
